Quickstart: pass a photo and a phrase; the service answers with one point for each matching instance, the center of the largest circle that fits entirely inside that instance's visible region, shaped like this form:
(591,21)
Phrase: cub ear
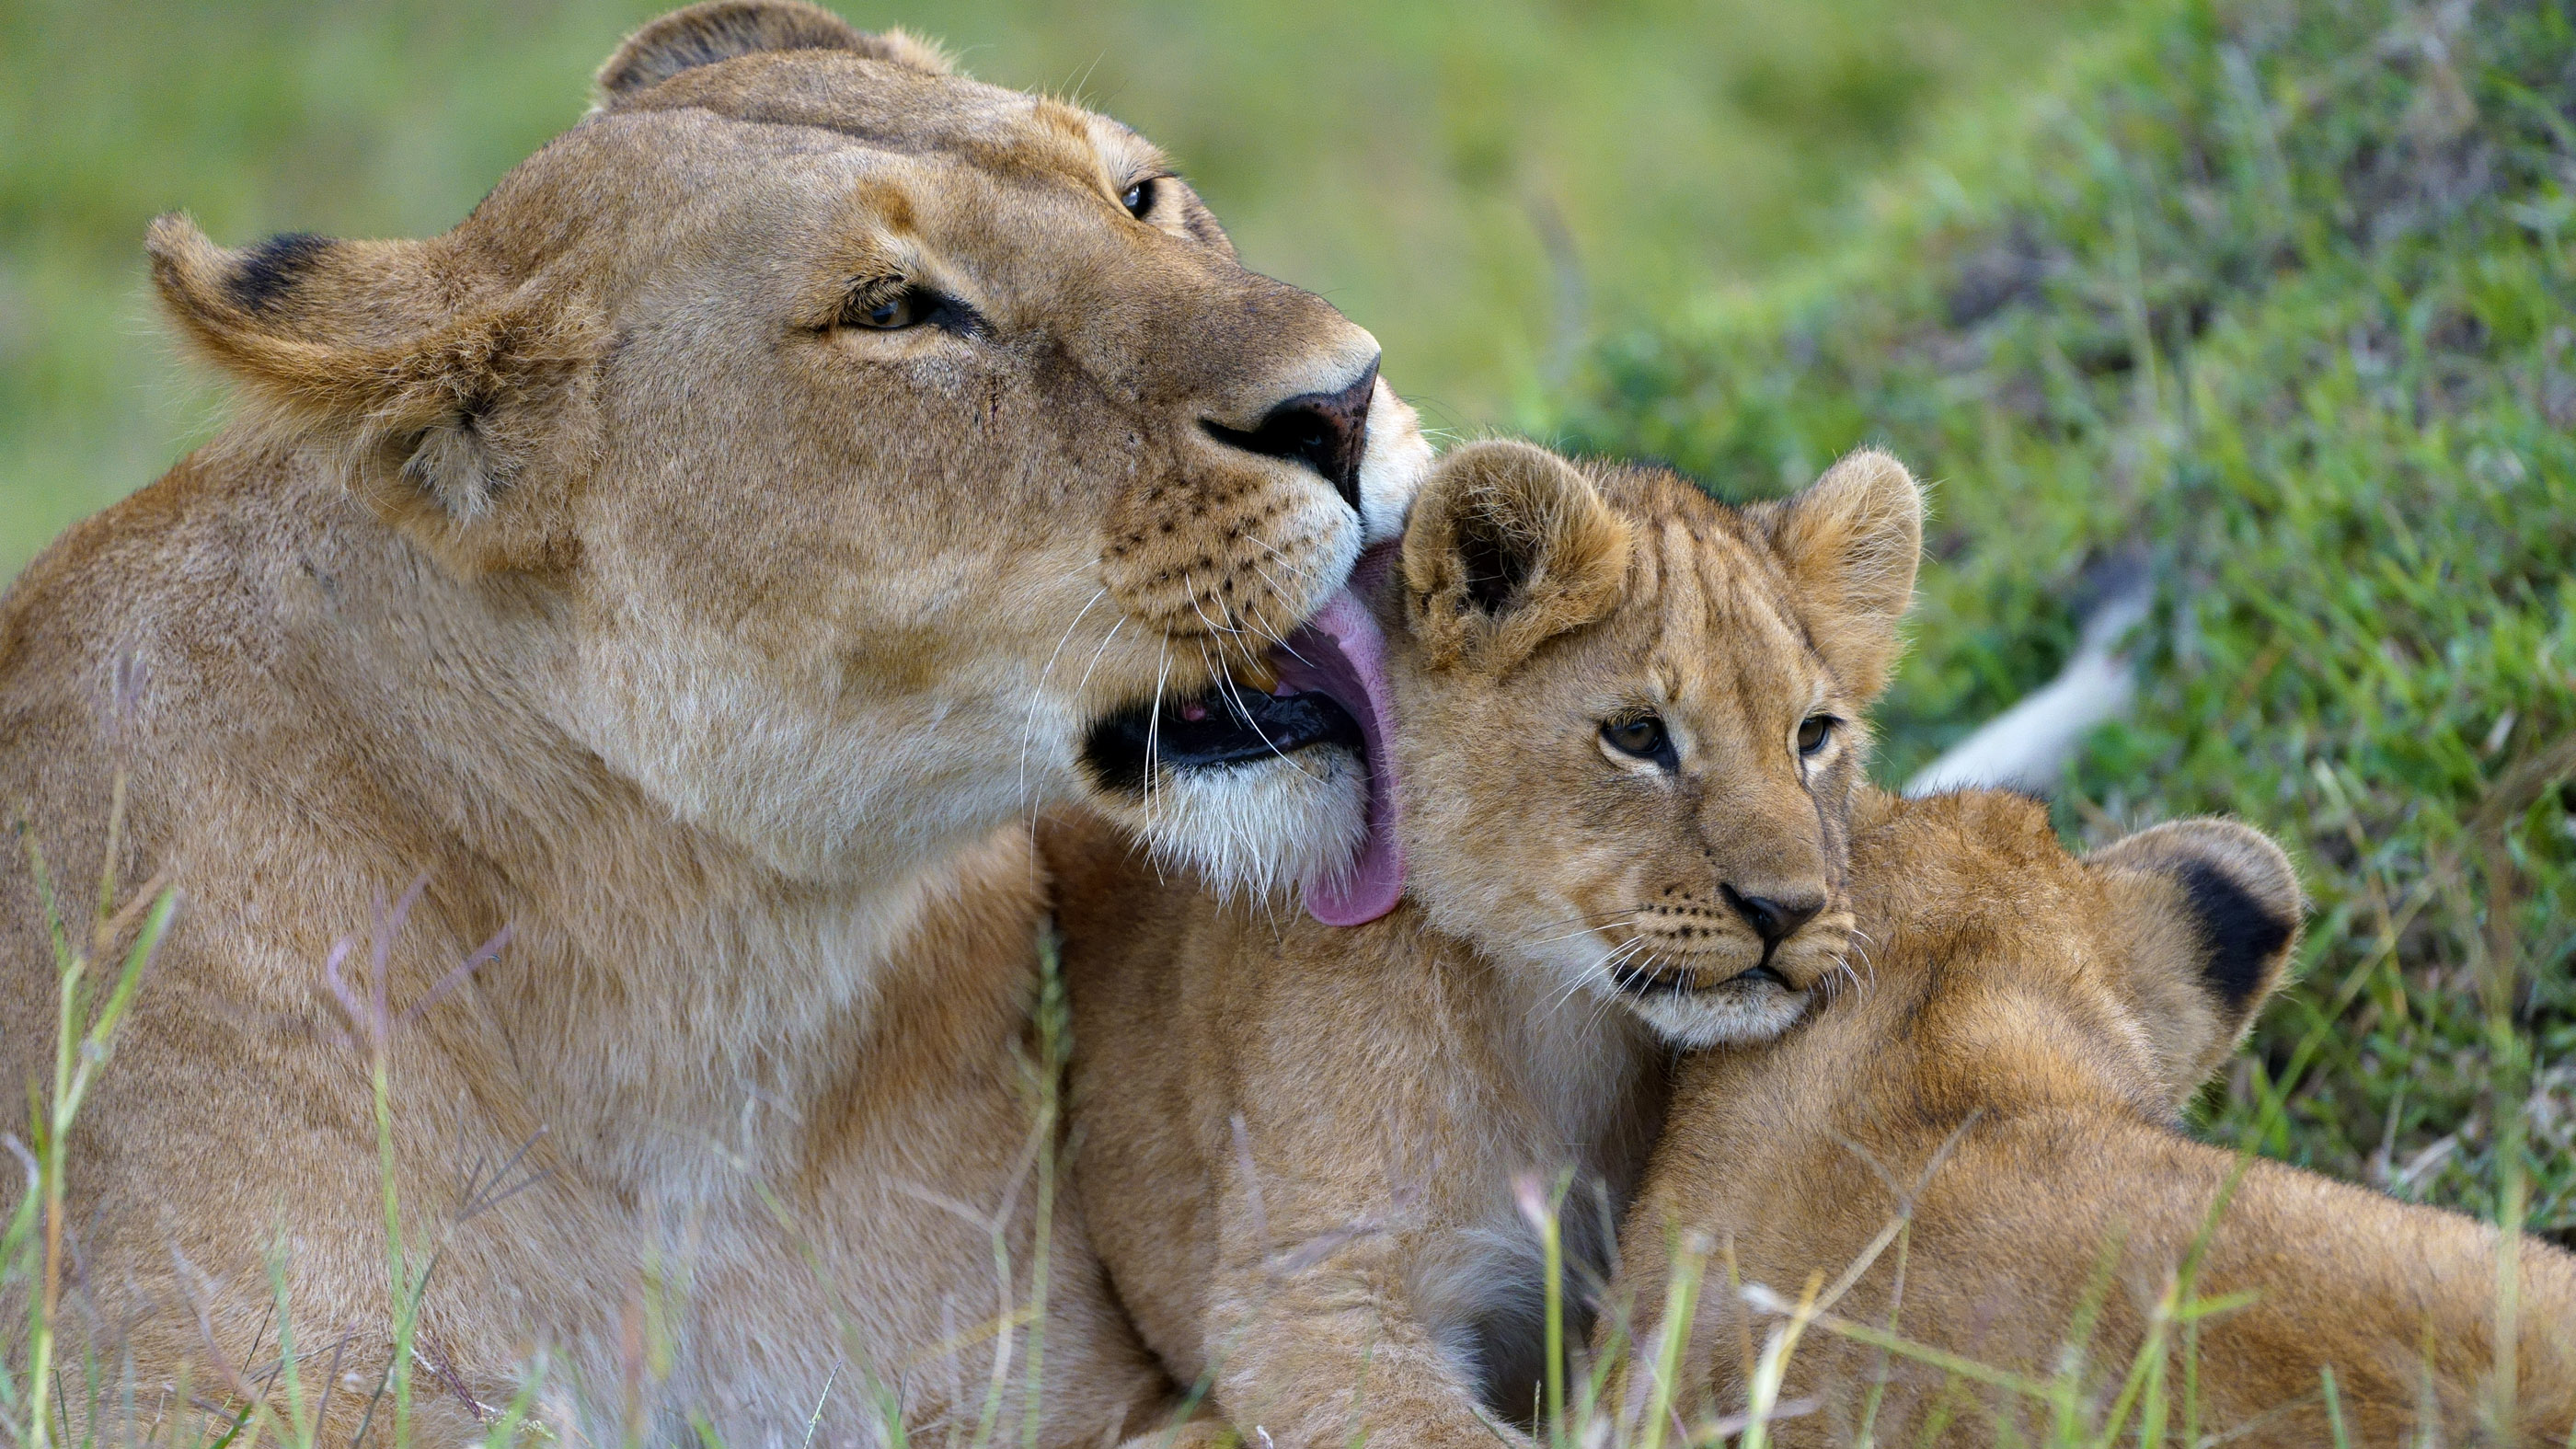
(441,388)
(717,30)
(2208,914)
(1851,543)
(1507,547)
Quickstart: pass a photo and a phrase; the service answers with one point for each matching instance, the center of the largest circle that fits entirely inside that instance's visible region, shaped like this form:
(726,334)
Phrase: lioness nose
(1326,431)
(1773,920)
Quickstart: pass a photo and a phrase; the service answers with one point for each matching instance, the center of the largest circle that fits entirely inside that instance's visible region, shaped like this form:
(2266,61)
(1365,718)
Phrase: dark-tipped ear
(1508,546)
(717,30)
(2209,912)
(441,388)
(1851,543)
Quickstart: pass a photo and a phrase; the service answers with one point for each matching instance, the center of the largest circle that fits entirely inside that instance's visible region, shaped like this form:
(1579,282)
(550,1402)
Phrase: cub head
(1632,722)
(862,442)
(2017,968)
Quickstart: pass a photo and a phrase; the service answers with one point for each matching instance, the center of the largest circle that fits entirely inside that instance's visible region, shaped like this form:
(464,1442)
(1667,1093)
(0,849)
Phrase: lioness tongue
(1341,654)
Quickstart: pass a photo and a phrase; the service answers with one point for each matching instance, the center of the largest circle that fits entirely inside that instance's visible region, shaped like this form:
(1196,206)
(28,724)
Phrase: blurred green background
(1487,184)
(2278,296)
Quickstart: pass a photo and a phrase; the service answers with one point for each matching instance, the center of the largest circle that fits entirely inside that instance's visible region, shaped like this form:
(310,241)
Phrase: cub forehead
(1723,616)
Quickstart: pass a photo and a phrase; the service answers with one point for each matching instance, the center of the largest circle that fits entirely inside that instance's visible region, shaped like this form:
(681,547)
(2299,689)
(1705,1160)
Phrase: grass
(1485,183)
(2084,1402)
(35,1257)
(2277,296)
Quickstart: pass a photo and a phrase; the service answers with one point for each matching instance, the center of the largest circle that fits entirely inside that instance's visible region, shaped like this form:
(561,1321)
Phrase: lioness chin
(1628,731)
(699,562)
(2008,1079)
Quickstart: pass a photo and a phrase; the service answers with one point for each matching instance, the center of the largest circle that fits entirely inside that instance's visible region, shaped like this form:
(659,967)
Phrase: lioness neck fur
(2029,1027)
(698,562)
(1629,721)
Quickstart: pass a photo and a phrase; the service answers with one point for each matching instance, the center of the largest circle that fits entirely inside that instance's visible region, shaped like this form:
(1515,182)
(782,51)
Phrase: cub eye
(890,308)
(1139,199)
(1814,731)
(1644,737)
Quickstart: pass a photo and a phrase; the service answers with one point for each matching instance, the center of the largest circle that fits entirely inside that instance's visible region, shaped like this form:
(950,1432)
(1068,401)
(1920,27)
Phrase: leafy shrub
(2277,295)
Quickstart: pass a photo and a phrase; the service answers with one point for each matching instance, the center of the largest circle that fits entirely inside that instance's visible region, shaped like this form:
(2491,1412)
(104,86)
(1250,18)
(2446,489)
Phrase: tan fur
(1296,1144)
(586,562)
(2041,1019)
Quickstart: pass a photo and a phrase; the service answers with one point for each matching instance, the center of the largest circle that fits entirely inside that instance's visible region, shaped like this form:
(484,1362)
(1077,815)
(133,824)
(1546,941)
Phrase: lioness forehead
(893,107)
(791,137)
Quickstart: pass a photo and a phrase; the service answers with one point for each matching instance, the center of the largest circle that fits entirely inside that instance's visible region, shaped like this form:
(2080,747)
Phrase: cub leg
(1320,1341)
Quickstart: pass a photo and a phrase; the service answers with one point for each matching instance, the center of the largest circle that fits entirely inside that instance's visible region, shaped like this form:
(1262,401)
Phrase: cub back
(2008,1081)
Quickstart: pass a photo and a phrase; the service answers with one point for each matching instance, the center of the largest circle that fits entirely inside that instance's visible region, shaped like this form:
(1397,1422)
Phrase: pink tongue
(1342,654)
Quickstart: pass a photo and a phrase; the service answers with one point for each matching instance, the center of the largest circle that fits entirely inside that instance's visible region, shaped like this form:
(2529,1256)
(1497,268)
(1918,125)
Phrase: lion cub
(2031,1025)
(1628,735)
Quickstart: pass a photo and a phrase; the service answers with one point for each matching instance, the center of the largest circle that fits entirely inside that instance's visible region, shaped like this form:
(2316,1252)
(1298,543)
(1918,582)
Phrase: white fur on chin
(1261,827)
(1739,1011)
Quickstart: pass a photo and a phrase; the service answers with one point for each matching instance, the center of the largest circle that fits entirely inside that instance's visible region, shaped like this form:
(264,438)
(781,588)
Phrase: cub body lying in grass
(1628,741)
(2030,1026)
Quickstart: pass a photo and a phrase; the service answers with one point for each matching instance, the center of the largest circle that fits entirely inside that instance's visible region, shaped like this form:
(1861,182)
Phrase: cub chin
(2010,1080)
(1627,738)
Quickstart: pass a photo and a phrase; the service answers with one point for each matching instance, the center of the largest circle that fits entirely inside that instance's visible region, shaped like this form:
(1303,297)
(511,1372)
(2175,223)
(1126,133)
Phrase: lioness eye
(1814,731)
(1644,736)
(890,309)
(1139,199)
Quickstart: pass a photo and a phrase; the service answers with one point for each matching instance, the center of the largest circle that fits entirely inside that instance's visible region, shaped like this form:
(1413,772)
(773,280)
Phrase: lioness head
(863,443)
(1632,722)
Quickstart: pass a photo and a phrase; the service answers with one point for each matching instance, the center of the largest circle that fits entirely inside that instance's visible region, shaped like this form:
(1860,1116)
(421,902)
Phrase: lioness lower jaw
(1261,830)
(1256,791)
(1254,794)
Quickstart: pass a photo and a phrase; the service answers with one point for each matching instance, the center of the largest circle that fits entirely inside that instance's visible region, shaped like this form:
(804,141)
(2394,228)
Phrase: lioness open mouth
(1332,690)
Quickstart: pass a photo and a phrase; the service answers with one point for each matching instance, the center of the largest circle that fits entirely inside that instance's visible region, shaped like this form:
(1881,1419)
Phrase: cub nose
(1773,920)
(1326,431)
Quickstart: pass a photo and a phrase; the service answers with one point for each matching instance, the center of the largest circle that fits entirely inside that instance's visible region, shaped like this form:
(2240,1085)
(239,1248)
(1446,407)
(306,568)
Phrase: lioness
(1628,731)
(2028,1027)
(695,564)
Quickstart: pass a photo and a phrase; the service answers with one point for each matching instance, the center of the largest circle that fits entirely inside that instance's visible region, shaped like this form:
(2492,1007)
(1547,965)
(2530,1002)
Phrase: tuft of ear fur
(719,30)
(2210,910)
(1508,546)
(1851,543)
(380,349)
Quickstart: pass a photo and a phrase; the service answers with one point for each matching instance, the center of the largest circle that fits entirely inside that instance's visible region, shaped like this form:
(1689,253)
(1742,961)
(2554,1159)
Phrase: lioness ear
(1507,547)
(441,387)
(1851,542)
(2208,914)
(717,30)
